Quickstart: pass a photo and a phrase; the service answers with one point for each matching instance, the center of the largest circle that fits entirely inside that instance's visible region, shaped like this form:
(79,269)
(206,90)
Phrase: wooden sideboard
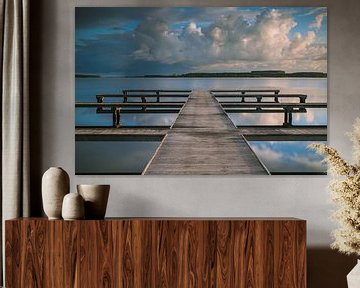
(156,252)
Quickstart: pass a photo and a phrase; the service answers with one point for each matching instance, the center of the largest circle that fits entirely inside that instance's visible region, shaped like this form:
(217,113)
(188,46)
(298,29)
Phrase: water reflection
(289,157)
(88,117)
(113,157)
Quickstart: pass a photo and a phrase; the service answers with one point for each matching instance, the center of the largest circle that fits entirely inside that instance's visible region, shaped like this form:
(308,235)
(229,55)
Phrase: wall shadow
(328,268)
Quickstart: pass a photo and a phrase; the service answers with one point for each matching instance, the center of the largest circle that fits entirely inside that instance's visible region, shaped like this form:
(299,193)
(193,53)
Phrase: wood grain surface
(150,252)
(203,140)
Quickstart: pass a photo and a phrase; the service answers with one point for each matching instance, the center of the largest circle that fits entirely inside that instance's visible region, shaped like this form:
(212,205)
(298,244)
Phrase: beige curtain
(15,110)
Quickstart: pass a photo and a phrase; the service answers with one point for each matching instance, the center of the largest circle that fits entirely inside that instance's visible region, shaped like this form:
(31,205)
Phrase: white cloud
(308,163)
(193,29)
(317,21)
(232,42)
(267,154)
(315,11)
(300,44)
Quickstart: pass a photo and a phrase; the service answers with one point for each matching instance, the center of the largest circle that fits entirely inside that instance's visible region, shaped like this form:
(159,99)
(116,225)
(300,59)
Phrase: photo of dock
(145,106)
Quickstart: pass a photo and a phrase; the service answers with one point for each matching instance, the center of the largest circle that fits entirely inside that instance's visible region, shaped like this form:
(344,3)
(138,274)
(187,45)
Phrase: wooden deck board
(161,131)
(203,140)
(321,131)
(156,131)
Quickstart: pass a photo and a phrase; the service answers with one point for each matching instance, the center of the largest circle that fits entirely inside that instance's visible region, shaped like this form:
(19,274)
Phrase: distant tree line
(252,74)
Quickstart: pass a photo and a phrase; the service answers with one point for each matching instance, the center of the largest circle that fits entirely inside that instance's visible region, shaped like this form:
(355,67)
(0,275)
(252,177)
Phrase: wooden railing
(251,101)
(145,106)
(116,108)
(265,107)
(257,94)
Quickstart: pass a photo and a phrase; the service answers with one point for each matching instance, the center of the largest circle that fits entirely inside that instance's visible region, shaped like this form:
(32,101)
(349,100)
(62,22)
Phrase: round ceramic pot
(73,207)
(55,185)
(96,198)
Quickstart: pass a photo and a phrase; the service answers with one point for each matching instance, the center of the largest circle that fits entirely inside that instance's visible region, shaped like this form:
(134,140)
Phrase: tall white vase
(55,185)
(353,278)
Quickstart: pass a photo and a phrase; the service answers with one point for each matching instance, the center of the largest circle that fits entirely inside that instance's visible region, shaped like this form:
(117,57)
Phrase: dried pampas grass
(345,192)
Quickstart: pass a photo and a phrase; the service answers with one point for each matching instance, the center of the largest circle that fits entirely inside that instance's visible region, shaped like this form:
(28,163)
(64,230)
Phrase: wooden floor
(204,141)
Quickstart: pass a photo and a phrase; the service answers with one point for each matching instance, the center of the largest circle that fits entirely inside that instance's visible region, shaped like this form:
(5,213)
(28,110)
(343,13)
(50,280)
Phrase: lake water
(113,157)
(294,158)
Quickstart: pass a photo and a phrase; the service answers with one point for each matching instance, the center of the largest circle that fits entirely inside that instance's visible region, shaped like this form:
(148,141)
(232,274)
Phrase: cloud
(308,164)
(230,39)
(267,154)
(315,10)
(206,39)
(318,21)
(193,29)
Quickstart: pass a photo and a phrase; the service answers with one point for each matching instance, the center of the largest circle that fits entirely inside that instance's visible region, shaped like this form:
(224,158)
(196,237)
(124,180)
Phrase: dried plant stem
(345,192)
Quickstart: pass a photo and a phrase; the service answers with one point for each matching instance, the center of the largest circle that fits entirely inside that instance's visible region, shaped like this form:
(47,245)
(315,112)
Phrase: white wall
(297,196)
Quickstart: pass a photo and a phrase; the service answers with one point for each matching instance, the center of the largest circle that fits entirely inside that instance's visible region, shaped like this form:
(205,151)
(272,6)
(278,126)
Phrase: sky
(176,40)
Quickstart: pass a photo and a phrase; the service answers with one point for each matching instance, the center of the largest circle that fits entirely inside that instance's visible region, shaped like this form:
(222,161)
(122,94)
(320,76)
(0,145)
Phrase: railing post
(258,99)
(100,99)
(125,93)
(290,117)
(242,98)
(116,117)
(158,96)
(276,98)
(287,117)
(302,99)
(143,100)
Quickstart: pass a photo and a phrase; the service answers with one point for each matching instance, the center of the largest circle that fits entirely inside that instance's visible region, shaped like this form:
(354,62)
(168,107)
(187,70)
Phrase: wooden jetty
(203,140)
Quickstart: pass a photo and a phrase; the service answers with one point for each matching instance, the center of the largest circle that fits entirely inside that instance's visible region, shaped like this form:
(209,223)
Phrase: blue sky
(139,41)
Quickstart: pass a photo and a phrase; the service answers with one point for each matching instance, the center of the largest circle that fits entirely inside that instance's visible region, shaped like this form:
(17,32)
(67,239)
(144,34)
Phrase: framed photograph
(200,90)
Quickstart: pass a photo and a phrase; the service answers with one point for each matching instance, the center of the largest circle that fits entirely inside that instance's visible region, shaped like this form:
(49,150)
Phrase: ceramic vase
(353,278)
(96,198)
(73,207)
(55,185)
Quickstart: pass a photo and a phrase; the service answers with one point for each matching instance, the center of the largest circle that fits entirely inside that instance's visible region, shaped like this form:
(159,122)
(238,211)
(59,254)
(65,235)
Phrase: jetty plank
(203,140)
(300,130)
(100,131)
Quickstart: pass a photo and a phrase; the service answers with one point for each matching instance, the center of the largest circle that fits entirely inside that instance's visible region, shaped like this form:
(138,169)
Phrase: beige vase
(96,198)
(73,207)
(55,185)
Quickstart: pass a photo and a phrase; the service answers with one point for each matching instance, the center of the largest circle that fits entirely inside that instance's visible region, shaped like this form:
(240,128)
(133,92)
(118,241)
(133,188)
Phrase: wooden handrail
(243,91)
(287,108)
(116,108)
(156,91)
(273,105)
(139,96)
(259,97)
(131,104)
